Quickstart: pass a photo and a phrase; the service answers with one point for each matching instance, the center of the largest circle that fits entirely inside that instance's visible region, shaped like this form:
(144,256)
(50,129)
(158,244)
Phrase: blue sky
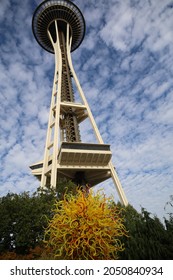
(125,66)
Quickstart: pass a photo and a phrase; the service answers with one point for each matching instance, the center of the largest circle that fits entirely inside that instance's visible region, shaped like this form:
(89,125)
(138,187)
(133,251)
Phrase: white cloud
(5,4)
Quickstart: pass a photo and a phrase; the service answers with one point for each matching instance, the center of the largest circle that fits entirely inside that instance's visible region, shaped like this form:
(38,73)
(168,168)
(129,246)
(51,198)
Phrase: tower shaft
(68,125)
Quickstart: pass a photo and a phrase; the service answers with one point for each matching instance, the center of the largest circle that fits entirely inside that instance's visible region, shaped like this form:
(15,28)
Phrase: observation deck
(90,160)
(64,11)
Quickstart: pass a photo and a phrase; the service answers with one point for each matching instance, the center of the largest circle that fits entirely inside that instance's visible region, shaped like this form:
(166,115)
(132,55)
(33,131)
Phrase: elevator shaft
(68,120)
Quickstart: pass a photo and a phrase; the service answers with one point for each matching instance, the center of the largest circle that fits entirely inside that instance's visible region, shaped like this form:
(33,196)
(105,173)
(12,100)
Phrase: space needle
(59,28)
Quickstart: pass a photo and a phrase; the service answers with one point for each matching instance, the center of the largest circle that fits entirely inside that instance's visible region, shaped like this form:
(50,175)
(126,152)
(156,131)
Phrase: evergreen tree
(148,238)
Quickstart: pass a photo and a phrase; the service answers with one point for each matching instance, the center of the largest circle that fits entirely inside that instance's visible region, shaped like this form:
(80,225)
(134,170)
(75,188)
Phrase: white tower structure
(59,27)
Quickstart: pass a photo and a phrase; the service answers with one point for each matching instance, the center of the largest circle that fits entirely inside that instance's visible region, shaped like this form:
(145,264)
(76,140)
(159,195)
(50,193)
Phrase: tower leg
(53,124)
(92,120)
(118,185)
(58,63)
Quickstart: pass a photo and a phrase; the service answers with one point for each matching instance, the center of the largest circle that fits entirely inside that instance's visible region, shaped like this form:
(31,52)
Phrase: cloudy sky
(125,66)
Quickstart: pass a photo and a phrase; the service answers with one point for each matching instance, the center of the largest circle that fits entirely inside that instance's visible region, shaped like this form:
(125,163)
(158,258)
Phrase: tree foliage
(24,217)
(149,239)
(22,220)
